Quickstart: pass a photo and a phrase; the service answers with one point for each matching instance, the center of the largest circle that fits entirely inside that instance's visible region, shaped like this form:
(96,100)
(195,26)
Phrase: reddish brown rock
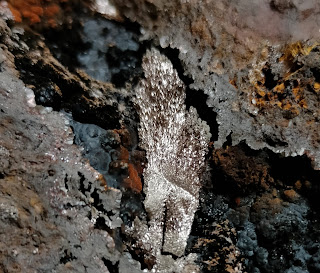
(245,172)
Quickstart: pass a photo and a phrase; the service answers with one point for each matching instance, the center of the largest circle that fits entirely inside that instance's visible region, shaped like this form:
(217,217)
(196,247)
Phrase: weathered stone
(251,59)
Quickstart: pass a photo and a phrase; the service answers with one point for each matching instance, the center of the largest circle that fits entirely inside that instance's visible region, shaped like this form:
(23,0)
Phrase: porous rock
(253,59)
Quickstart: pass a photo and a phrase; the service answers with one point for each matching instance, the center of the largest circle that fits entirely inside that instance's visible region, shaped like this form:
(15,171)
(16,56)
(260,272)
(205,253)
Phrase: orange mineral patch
(34,11)
(316,87)
(291,195)
(133,181)
(294,50)
(124,154)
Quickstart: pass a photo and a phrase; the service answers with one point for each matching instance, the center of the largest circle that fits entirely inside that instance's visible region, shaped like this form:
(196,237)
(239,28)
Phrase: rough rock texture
(275,221)
(245,171)
(77,191)
(61,213)
(42,13)
(252,58)
(106,35)
(43,208)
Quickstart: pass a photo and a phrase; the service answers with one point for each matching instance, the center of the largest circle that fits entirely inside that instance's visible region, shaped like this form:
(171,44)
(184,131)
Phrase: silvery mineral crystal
(176,142)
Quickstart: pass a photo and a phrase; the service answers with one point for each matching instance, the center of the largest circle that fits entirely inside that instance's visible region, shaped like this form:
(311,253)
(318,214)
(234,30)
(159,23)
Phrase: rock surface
(61,214)
(105,159)
(252,59)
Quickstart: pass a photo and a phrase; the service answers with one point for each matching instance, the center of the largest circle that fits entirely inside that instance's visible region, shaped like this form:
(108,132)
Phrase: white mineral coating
(5,12)
(104,7)
(176,142)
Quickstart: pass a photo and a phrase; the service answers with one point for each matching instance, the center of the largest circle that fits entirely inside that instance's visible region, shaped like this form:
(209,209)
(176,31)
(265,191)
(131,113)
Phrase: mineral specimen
(176,142)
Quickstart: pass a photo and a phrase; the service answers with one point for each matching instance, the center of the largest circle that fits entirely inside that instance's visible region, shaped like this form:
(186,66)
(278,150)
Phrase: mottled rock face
(244,171)
(123,178)
(61,214)
(251,59)
(232,30)
(44,183)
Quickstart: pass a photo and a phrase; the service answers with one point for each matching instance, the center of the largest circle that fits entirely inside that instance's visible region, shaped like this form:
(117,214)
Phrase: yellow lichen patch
(298,95)
(279,88)
(296,92)
(260,91)
(316,87)
(295,49)
(286,106)
(295,111)
(303,103)
(283,90)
